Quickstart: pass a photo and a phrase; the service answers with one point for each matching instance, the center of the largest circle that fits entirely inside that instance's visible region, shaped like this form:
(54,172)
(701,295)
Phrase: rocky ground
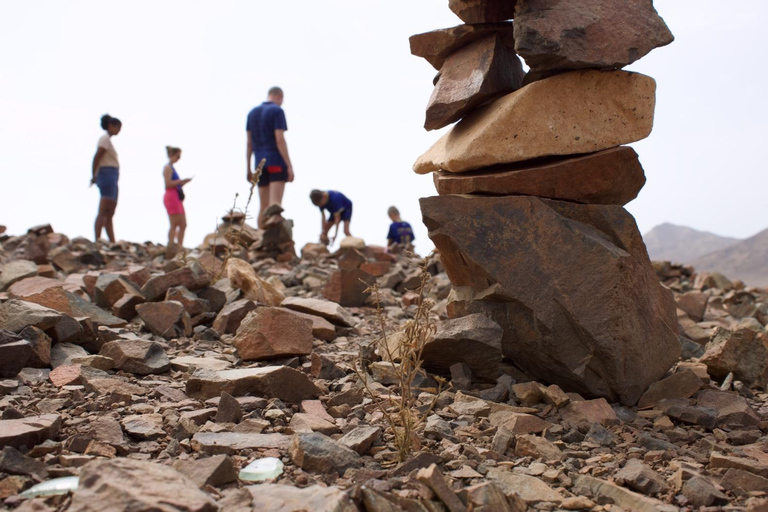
(155,380)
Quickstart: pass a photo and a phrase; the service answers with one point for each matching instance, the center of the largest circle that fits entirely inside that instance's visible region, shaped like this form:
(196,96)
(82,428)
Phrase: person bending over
(339,208)
(400,237)
(173,200)
(265,129)
(105,173)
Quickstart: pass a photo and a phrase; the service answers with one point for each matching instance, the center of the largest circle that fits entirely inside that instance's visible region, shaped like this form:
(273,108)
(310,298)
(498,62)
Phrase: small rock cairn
(532,180)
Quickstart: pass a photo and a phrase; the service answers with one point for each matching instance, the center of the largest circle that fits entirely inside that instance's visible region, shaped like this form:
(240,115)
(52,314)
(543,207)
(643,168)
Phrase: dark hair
(107,120)
(316,196)
(275,90)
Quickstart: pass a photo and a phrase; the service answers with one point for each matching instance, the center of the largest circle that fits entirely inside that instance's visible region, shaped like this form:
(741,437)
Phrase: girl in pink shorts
(174,195)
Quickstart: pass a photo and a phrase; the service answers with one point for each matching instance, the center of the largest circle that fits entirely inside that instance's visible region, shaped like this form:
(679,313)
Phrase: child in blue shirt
(400,236)
(339,208)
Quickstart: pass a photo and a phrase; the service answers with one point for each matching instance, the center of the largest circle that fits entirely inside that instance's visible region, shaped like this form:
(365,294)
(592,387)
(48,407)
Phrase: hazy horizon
(186,74)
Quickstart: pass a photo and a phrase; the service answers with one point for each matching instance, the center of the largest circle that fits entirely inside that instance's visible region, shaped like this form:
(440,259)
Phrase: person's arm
(249,153)
(169,181)
(282,147)
(336,222)
(96,159)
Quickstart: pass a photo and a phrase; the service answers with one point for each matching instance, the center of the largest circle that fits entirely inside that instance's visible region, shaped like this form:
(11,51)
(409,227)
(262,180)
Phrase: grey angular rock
(319,453)
(14,353)
(569,317)
(16,271)
(16,314)
(474,340)
(131,485)
(270,381)
(137,356)
(558,35)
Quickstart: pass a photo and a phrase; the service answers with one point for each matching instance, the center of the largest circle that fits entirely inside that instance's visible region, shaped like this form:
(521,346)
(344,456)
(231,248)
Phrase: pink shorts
(172,203)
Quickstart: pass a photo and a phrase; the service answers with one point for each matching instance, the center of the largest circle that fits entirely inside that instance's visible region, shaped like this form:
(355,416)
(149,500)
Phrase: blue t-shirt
(262,123)
(337,202)
(401,233)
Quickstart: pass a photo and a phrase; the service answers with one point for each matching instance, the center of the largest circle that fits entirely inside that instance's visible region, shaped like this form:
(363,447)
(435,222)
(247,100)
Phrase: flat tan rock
(572,113)
(613,176)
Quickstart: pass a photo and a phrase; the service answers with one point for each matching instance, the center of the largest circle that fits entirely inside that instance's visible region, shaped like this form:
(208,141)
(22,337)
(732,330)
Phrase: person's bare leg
(171,230)
(346,228)
(111,207)
(100,216)
(181,229)
(276,189)
(263,204)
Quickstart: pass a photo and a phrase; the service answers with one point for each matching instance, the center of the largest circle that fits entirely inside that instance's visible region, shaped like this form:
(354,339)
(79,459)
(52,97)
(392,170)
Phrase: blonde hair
(172,150)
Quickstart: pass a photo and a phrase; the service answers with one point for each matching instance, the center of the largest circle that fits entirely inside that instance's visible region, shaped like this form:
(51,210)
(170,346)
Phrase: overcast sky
(186,73)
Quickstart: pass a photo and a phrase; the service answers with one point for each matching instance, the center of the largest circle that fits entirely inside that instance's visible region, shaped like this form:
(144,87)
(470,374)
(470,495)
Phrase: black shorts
(273,173)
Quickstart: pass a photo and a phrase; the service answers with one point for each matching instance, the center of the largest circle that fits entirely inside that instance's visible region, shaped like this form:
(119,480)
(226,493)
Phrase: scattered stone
(623,498)
(678,385)
(14,354)
(537,447)
(29,431)
(165,319)
(318,453)
(741,352)
(270,381)
(639,477)
(700,492)
(531,489)
(193,277)
(229,318)
(231,442)
(331,311)
(137,356)
(269,333)
(216,471)
(432,478)
(125,484)
(360,439)
(229,410)
(15,271)
(282,498)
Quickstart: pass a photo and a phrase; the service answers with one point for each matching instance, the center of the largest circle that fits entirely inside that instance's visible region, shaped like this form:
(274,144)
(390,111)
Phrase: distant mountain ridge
(681,244)
(746,260)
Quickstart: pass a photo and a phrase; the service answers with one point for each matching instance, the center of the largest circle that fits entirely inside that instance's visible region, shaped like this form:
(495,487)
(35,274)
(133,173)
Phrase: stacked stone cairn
(532,180)
(235,236)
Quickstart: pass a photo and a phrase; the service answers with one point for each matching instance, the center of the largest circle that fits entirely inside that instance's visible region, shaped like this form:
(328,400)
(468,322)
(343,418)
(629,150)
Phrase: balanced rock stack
(531,181)
(235,236)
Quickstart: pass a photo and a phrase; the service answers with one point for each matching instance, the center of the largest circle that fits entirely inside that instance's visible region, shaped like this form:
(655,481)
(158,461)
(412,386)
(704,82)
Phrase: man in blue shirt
(400,236)
(339,208)
(266,128)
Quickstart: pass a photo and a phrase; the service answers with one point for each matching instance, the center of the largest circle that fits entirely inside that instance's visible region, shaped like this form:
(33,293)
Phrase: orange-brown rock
(347,287)
(437,45)
(576,34)
(575,292)
(479,72)
(43,291)
(483,11)
(613,176)
(565,114)
(268,333)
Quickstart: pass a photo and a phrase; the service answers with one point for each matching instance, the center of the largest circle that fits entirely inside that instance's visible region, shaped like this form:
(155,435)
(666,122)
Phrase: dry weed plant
(404,414)
(233,235)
